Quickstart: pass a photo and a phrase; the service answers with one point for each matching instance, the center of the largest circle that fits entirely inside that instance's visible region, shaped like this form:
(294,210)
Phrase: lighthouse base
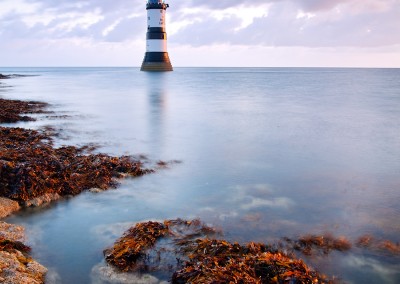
(156,62)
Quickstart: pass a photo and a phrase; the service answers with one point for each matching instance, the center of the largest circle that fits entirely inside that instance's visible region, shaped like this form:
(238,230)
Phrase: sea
(264,154)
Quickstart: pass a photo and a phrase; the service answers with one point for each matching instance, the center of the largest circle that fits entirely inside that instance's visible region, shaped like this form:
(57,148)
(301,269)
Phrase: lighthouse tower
(156,57)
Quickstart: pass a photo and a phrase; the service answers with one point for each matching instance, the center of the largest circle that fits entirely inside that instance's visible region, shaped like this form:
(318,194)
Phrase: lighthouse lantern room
(156,57)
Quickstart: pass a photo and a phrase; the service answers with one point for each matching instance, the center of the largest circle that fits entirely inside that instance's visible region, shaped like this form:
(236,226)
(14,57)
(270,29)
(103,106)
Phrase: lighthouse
(156,57)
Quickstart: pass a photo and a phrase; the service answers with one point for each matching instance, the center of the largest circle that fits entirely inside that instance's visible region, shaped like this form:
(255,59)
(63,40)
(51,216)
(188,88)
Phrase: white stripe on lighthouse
(156,18)
(156,45)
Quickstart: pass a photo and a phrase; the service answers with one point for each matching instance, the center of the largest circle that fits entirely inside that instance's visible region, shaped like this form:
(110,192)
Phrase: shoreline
(33,172)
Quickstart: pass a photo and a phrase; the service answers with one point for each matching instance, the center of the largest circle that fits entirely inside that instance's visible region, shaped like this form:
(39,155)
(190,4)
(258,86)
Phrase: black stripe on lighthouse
(156,36)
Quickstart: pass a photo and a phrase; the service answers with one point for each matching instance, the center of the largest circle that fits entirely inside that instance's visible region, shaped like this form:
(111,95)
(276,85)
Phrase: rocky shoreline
(34,172)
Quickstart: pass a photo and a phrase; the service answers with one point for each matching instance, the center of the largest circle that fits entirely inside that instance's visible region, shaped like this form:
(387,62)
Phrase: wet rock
(16,266)
(45,198)
(12,232)
(7,207)
(96,190)
(4,76)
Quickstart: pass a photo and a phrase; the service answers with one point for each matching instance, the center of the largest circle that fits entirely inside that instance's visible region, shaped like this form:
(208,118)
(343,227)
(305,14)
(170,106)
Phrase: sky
(233,33)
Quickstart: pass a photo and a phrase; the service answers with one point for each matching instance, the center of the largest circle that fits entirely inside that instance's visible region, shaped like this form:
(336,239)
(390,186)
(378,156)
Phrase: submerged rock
(319,244)
(106,274)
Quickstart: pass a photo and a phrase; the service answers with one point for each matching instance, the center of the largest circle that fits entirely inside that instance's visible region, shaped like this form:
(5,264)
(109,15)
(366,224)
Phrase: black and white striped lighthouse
(156,57)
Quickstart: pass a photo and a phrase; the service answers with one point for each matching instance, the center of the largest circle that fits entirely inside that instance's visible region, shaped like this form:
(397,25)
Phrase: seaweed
(137,250)
(11,245)
(134,244)
(202,259)
(319,244)
(12,111)
(218,261)
(378,245)
(30,166)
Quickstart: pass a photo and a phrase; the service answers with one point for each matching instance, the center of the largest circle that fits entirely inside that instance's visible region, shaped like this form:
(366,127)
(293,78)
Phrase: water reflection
(157,109)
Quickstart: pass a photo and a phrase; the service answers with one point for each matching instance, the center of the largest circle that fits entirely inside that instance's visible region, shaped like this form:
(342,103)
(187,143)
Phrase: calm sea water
(266,153)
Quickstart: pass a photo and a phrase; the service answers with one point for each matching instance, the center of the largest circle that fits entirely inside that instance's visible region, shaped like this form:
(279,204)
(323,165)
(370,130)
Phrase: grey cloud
(282,27)
(111,11)
(307,5)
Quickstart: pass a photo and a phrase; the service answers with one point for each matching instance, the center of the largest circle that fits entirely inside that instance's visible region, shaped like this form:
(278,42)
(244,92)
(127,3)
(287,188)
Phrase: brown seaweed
(30,166)
(137,249)
(319,244)
(201,259)
(13,110)
(378,245)
(11,245)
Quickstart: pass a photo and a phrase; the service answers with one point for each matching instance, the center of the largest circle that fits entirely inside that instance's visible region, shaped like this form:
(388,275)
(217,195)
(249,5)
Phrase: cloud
(62,19)
(286,23)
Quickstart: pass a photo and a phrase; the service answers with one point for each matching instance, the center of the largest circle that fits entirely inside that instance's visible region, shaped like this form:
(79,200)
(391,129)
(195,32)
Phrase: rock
(15,268)
(4,76)
(7,206)
(12,232)
(105,274)
(45,198)
(96,190)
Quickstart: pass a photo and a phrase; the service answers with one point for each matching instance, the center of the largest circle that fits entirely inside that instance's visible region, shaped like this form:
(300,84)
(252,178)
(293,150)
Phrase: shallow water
(266,153)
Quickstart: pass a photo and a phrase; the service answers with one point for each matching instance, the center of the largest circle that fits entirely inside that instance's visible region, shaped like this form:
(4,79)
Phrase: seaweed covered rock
(14,110)
(152,246)
(134,245)
(218,261)
(199,259)
(31,167)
